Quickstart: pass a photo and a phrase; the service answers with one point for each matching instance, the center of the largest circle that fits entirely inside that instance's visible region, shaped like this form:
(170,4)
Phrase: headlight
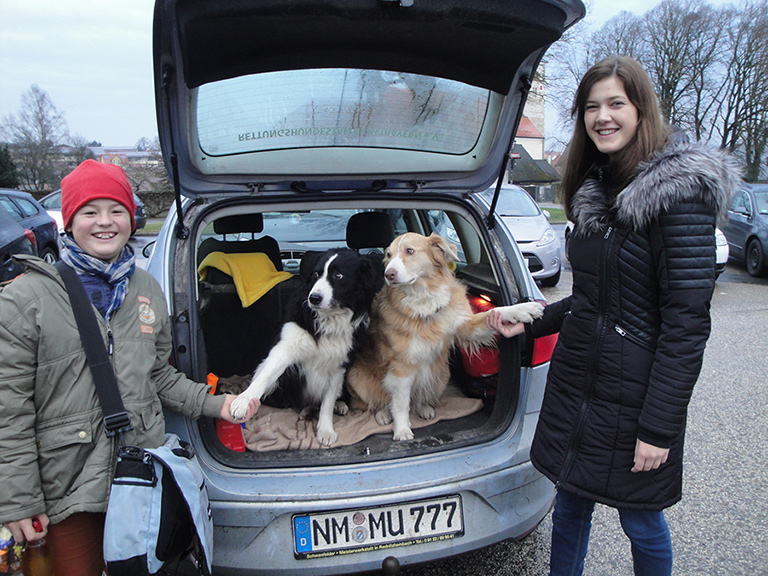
(720,239)
(548,237)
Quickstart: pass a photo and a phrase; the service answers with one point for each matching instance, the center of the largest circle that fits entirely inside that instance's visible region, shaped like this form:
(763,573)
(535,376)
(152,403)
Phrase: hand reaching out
(226,414)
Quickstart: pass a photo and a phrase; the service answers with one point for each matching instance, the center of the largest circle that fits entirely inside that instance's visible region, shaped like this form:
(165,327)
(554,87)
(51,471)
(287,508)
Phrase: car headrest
(248,223)
(370,230)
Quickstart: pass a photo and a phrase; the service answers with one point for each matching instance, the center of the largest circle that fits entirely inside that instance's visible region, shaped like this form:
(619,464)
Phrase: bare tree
(743,113)
(670,29)
(622,35)
(33,137)
(566,61)
(706,79)
(80,150)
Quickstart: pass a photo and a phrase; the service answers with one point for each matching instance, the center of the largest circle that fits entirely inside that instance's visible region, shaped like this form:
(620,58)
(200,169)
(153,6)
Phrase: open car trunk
(223,337)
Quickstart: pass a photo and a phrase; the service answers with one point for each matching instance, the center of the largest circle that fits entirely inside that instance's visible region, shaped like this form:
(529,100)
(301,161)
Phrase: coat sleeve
(20,483)
(176,391)
(552,320)
(683,240)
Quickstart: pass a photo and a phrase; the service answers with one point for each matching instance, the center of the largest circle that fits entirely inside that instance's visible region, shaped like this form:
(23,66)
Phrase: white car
(530,227)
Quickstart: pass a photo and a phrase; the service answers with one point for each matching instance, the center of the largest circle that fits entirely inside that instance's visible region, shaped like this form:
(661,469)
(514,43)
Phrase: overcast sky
(94,59)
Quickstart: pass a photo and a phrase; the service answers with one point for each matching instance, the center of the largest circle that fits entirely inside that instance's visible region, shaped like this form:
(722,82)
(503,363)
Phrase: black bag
(158,510)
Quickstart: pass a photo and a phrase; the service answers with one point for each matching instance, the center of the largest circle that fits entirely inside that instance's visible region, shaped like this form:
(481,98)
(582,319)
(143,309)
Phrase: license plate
(367,529)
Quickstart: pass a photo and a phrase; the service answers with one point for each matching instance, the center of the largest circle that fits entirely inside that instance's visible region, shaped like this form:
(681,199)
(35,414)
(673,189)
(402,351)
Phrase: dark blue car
(25,210)
(747,228)
(14,239)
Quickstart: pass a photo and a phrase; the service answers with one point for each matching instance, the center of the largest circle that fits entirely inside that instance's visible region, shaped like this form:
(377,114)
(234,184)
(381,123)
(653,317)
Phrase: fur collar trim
(682,172)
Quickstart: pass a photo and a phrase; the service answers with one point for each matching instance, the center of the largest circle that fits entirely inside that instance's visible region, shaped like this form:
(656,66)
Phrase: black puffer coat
(633,332)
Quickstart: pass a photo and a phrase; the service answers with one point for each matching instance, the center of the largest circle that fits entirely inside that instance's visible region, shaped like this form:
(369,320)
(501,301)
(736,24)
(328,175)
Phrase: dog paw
(425,411)
(326,437)
(383,417)
(340,408)
(239,406)
(404,434)
(526,312)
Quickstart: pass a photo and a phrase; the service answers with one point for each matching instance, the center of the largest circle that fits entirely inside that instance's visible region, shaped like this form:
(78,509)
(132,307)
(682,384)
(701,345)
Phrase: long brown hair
(651,135)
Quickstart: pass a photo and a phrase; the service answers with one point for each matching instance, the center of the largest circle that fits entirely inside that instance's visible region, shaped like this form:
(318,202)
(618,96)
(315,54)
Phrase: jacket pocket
(634,339)
(57,435)
(63,452)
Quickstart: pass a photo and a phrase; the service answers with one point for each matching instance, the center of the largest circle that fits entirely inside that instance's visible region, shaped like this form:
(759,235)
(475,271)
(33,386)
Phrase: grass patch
(556,215)
(151,229)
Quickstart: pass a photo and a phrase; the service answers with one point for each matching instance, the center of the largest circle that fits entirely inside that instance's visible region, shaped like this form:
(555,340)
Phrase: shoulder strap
(116,419)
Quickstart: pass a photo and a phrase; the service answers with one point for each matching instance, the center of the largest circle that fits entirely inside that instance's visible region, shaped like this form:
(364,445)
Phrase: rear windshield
(339,108)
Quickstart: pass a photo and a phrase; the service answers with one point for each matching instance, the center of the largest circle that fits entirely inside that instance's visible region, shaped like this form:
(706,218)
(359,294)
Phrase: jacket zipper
(632,338)
(110,341)
(597,344)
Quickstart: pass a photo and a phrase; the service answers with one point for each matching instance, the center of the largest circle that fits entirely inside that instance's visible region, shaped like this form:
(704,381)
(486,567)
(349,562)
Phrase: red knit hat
(93,180)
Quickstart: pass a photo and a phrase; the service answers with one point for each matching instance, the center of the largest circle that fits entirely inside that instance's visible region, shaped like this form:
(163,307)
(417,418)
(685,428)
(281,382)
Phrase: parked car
(747,228)
(723,252)
(52,204)
(721,246)
(295,132)
(31,215)
(530,227)
(14,239)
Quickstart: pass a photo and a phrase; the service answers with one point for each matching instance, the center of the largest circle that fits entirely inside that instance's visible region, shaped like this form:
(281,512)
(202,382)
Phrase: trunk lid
(334,95)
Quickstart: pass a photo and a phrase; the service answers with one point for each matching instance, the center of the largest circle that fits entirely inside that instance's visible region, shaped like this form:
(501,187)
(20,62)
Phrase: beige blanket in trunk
(286,429)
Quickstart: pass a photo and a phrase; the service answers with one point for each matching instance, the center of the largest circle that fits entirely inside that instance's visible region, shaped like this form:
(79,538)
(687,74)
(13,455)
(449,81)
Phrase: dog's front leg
(289,350)
(326,435)
(399,390)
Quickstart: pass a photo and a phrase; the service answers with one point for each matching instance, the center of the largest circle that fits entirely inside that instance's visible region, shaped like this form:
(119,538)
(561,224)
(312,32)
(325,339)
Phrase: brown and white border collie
(420,313)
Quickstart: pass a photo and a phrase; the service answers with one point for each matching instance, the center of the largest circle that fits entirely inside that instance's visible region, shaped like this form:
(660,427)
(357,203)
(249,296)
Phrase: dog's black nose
(315,299)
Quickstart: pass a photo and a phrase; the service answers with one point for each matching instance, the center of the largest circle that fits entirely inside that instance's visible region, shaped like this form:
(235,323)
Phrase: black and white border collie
(317,341)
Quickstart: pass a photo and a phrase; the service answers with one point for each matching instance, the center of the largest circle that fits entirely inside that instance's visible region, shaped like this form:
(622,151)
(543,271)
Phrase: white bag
(158,511)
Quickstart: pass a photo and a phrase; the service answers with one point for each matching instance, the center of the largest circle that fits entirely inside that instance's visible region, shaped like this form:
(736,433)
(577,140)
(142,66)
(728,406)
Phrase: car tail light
(542,349)
(31,236)
(484,361)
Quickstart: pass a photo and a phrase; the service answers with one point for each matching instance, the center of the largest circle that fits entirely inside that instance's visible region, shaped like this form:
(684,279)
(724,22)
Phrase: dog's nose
(390,275)
(315,299)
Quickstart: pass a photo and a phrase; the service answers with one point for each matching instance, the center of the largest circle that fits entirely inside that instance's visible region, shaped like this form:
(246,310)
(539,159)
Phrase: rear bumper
(507,504)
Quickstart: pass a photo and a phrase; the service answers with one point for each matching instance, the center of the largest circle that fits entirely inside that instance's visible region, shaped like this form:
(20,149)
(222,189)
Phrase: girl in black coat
(645,203)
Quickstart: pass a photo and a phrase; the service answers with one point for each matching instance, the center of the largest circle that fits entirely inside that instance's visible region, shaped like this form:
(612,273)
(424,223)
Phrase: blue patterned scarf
(115,273)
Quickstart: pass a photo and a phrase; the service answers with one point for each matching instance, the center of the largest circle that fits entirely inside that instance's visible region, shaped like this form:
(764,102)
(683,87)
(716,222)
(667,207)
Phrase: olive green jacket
(54,455)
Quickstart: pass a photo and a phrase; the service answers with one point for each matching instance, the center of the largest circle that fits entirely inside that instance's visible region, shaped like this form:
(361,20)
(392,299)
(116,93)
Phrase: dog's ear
(446,251)
(371,279)
(308,262)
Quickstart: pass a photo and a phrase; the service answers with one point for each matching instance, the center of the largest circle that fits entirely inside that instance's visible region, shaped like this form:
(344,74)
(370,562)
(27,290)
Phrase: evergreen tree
(9,175)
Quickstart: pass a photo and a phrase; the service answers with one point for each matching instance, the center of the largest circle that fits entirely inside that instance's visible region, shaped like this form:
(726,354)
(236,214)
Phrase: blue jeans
(572,519)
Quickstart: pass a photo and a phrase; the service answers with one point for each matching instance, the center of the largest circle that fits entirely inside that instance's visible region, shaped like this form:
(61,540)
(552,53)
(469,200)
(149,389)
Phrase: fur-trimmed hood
(681,172)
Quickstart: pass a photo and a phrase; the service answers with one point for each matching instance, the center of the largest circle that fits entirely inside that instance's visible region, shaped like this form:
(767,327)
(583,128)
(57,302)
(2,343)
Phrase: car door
(739,223)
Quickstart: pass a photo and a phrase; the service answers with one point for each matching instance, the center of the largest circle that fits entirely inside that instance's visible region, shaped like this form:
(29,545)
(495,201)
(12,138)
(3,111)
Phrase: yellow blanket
(254,274)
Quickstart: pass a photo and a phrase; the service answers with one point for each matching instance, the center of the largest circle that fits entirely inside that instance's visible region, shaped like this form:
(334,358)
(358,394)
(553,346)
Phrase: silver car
(530,227)
(294,127)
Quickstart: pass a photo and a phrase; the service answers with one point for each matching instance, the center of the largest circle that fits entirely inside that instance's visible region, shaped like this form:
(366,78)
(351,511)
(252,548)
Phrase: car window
(740,203)
(297,232)
(52,202)
(12,208)
(339,108)
(761,199)
(27,207)
(513,202)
